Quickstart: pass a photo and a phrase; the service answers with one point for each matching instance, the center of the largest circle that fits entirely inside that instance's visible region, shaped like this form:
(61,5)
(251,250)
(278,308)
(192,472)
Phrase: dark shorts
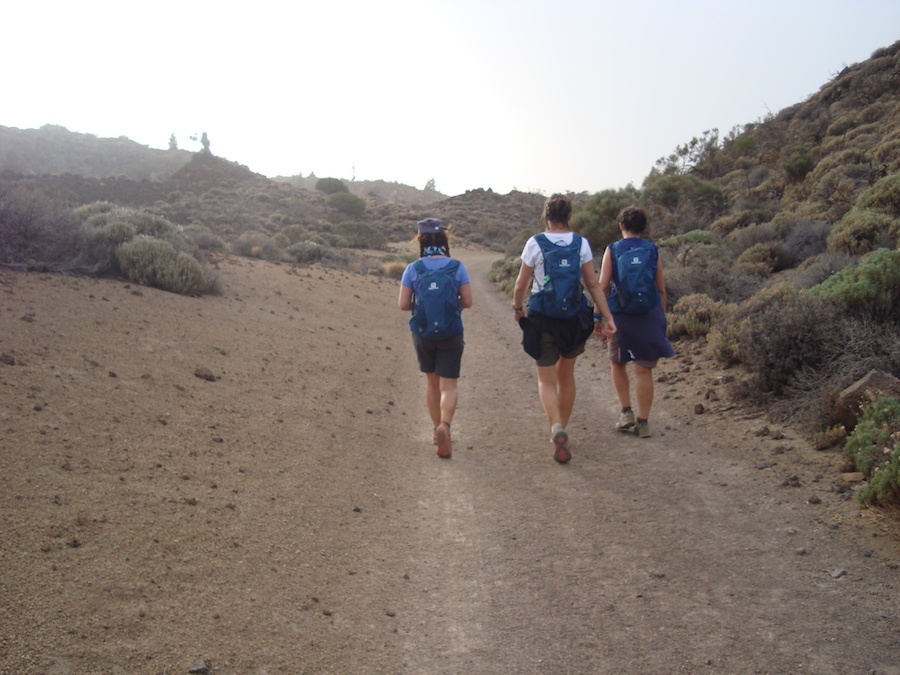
(550,352)
(442,357)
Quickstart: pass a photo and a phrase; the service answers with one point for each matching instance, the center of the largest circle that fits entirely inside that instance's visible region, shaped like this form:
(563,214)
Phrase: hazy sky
(544,95)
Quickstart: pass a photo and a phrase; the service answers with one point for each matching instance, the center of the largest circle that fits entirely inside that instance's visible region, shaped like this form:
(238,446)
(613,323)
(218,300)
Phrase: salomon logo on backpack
(635,284)
(562,294)
(436,313)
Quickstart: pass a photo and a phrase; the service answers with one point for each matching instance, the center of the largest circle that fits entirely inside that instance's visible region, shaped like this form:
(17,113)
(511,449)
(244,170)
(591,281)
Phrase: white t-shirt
(532,256)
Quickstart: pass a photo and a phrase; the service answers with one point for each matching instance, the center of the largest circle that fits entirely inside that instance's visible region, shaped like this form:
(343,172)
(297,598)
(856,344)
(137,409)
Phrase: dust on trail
(293,517)
(666,554)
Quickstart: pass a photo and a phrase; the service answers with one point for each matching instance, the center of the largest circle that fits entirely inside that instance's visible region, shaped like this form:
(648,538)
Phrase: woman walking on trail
(436,289)
(641,335)
(554,342)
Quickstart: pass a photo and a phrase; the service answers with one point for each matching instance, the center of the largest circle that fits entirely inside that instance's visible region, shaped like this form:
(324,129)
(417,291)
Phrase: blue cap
(430,225)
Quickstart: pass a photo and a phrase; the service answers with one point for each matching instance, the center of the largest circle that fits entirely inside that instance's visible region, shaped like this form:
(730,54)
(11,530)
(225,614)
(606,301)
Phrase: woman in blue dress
(640,338)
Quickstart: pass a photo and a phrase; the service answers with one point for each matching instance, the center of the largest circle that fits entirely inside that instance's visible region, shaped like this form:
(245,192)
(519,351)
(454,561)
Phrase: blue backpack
(562,295)
(635,282)
(436,314)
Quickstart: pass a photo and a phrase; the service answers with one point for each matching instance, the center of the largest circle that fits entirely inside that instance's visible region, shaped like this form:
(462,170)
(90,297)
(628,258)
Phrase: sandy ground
(290,515)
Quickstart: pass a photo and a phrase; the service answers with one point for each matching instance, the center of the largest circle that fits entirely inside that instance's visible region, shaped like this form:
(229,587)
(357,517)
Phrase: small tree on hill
(173,142)
(204,140)
(331,186)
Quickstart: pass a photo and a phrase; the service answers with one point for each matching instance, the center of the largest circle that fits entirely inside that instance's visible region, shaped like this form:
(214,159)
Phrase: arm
(606,272)
(660,282)
(465,296)
(526,274)
(404,302)
(592,285)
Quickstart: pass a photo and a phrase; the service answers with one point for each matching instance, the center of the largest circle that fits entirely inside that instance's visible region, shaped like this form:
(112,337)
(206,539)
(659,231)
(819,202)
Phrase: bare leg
(433,397)
(565,388)
(449,399)
(620,382)
(644,387)
(549,394)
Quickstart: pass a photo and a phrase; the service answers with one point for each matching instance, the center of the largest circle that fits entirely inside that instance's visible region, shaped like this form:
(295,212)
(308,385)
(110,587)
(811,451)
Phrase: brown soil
(291,516)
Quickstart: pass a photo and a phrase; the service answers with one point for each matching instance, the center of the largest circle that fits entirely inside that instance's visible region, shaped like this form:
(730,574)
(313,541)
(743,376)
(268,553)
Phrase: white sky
(543,95)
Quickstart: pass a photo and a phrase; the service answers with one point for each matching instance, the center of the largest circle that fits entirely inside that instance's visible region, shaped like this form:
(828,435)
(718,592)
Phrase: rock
(837,574)
(7,359)
(205,374)
(199,668)
(854,477)
(699,409)
(849,403)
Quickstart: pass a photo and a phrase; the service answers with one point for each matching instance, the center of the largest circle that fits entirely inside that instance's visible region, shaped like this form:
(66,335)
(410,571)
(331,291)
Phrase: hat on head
(430,225)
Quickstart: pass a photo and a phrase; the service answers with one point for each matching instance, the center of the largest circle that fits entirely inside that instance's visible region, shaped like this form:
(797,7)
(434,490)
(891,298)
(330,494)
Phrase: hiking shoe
(642,429)
(561,447)
(626,420)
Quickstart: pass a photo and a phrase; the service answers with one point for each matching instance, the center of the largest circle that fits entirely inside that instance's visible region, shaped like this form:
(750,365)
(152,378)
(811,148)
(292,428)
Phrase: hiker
(555,331)
(631,276)
(436,289)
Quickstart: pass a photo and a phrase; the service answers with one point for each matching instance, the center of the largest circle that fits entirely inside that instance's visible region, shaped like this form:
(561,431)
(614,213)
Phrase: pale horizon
(566,96)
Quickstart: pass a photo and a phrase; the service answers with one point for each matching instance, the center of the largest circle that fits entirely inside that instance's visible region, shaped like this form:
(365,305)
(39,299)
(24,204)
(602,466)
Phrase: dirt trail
(292,516)
(641,555)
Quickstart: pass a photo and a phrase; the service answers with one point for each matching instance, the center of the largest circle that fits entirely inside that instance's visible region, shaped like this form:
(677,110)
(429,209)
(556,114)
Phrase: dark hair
(632,218)
(558,209)
(438,239)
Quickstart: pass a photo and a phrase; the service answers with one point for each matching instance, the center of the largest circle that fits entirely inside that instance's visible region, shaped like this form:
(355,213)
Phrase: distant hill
(201,188)
(56,150)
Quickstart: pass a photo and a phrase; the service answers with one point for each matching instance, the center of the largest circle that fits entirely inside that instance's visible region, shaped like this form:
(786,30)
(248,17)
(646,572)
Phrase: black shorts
(442,357)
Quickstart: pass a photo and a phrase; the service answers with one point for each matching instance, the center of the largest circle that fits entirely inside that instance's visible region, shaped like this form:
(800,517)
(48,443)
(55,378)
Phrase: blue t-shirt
(410,275)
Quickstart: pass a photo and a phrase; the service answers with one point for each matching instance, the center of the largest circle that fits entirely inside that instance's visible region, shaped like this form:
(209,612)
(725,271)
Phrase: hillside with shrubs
(778,237)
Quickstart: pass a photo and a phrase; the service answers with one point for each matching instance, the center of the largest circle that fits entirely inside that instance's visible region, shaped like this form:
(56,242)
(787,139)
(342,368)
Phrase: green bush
(360,235)
(504,272)
(874,448)
(883,196)
(312,252)
(693,315)
(331,186)
(348,204)
(258,245)
(798,163)
(760,258)
(154,262)
(862,230)
(203,237)
(871,288)
(295,233)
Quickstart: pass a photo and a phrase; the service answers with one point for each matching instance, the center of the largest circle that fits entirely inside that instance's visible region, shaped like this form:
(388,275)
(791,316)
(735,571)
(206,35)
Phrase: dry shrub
(818,268)
(35,230)
(776,333)
(693,315)
(258,245)
(394,269)
(710,272)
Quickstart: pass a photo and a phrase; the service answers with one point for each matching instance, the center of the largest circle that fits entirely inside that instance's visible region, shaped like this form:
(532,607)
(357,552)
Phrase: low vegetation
(874,448)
